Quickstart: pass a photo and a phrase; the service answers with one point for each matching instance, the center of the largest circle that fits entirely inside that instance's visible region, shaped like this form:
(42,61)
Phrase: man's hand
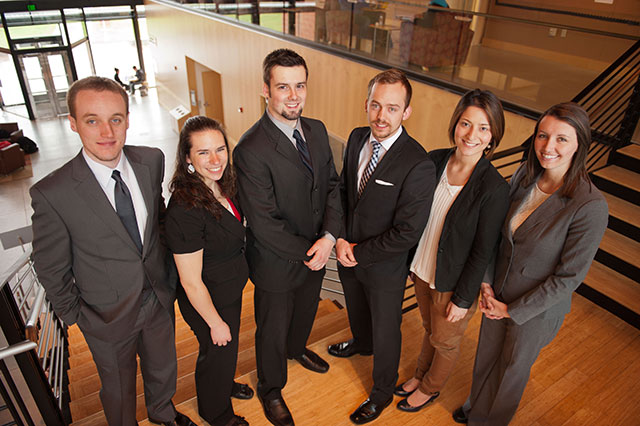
(344,252)
(320,251)
(454,312)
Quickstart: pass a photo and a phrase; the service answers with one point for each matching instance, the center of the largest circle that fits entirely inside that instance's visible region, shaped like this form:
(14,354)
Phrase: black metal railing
(38,343)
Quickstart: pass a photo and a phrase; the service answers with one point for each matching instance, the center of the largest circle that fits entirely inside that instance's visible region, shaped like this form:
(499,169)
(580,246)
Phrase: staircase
(613,281)
(86,408)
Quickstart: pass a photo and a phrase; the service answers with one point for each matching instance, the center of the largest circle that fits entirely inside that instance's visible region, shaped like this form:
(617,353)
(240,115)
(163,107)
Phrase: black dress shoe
(276,411)
(312,361)
(241,391)
(237,421)
(459,416)
(368,411)
(399,391)
(180,420)
(346,349)
(405,406)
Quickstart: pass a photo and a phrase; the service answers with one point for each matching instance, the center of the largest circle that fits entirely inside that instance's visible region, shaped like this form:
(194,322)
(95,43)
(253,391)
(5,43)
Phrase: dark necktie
(373,162)
(125,210)
(303,150)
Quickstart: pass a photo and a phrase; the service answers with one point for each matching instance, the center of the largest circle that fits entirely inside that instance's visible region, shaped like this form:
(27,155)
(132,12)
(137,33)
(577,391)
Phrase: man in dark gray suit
(99,255)
(387,188)
(288,190)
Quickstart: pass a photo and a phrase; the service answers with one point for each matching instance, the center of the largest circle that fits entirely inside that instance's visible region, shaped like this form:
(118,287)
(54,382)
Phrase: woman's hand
(455,313)
(220,334)
(485,291)
(496,310)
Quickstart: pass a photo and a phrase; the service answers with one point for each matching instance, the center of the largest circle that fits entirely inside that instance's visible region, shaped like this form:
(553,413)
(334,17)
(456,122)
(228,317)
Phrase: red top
(235,211)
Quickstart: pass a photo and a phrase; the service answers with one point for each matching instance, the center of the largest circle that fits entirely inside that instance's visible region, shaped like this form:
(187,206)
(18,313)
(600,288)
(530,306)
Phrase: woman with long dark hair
(468,208)
(206,235)
(552,231)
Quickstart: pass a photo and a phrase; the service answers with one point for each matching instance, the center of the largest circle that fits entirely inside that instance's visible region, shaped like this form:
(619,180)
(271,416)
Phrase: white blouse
(424,261)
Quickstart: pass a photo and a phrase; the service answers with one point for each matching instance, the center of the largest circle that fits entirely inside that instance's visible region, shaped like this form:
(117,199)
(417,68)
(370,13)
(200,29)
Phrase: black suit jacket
(388,219)
(84,257)
(471,229)
(287,208)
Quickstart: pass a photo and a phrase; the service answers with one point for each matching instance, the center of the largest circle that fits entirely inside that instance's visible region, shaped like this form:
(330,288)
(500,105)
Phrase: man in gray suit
(99,255)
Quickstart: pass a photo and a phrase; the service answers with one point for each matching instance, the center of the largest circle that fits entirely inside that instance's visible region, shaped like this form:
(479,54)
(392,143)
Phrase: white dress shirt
(108,185)
(367,150)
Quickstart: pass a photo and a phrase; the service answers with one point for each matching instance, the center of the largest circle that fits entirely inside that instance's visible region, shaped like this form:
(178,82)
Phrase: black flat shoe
(241,391)
(346,349)
(399,391)
(459,416)
(180,420)
(312,361)
(368,411)
(237,421)
(405,406)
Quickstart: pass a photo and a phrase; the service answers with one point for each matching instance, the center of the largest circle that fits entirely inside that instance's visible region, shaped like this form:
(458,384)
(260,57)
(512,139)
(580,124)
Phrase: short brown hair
(283,58)
(490,104)
(392,76)
(99,84)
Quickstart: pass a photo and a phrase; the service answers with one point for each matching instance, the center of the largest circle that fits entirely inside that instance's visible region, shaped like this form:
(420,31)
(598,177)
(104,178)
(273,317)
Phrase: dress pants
(283,325)
(506,352)
(441,342)
(216,365)
(153,339)
(374,307)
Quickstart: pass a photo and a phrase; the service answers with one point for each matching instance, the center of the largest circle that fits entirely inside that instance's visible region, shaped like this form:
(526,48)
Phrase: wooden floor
(588,376)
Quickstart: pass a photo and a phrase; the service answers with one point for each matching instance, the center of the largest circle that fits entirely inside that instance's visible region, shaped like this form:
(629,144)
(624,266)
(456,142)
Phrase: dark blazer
(471,229)
(388,219)
(287,208)
(224,267)
(538,268)
(84,257)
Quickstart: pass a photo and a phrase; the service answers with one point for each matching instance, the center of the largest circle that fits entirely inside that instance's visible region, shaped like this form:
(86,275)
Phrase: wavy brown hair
(188,189)
(575,116)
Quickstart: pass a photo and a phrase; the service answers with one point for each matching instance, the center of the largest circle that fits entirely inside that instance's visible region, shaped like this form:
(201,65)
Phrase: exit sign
(31,7)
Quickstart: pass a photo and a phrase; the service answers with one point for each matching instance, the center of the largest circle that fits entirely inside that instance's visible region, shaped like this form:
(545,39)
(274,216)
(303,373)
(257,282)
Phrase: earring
(191,169)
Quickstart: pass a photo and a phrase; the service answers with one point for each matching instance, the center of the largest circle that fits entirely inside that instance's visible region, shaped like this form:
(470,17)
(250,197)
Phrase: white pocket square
(381,182)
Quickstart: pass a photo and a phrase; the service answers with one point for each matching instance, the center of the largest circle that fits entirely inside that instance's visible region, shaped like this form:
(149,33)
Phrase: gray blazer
(84,257)
(538,268)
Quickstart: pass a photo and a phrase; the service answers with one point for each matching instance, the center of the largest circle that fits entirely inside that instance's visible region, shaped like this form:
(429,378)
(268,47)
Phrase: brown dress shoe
(276,411)
(312,361)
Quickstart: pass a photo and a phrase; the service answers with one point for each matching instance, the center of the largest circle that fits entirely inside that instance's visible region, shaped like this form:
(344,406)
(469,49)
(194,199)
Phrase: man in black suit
(289,191)
(387,187)
(100,257)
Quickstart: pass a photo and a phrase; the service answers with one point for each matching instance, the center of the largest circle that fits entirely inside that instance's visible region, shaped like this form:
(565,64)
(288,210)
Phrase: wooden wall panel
(337,86)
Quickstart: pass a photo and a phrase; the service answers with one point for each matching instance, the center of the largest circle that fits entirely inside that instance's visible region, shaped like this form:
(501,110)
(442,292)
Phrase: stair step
(620,253)
(628,157)
(619,181)
(614,285)
(631,150)
(623,216)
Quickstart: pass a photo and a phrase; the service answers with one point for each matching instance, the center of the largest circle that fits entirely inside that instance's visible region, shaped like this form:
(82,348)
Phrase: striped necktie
(373,162)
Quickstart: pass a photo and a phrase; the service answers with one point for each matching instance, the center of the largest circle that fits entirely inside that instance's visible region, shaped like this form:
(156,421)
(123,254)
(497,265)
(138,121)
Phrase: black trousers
(283,324)
(374,307)
(216,365)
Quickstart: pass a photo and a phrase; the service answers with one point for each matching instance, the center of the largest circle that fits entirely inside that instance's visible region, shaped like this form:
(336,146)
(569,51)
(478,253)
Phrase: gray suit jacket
(84,257)
(539,266)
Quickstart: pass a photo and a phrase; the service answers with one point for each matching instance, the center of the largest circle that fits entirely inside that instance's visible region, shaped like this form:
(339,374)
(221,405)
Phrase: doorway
(205,88)
(47,76)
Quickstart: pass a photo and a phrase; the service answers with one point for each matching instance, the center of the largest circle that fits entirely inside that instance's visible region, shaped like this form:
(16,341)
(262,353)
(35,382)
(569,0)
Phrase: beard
(292,115)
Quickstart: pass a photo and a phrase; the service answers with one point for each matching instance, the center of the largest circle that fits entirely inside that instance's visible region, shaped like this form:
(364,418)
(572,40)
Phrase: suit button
(315,189)
(440,250)
(316,211)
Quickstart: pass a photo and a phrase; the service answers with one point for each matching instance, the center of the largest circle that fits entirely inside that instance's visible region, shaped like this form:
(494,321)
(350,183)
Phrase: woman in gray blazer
(469,206)
(553,228)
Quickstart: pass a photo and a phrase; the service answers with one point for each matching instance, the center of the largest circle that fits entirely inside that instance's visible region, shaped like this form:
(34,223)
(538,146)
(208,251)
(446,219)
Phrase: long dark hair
(189,189)
(490,104)
(575,116)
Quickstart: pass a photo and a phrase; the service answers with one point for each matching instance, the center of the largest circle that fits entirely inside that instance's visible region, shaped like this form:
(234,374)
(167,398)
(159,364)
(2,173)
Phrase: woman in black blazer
(469,206)
(205,232)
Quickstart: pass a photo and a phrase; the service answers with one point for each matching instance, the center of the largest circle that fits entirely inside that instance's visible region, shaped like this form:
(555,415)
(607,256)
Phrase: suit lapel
(386,162)
(353,165)
(315,150)
(143,177)
(91,192)
(545,212)
(229,222)
(283,145)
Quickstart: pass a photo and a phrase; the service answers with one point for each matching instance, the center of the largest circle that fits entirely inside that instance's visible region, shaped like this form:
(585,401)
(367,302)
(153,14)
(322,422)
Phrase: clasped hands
(491,307)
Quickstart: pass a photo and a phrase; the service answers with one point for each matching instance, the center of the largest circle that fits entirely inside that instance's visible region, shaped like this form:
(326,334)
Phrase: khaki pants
(441,343)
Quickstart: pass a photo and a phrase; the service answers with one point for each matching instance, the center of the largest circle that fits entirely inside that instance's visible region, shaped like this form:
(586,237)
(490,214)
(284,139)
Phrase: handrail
(16,349)
(13,269)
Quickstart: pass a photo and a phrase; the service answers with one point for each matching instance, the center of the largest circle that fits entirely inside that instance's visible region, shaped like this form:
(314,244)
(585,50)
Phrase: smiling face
(101,122)
(208,155)
(473,132)
(555,145)
(286,92)
(386,109)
